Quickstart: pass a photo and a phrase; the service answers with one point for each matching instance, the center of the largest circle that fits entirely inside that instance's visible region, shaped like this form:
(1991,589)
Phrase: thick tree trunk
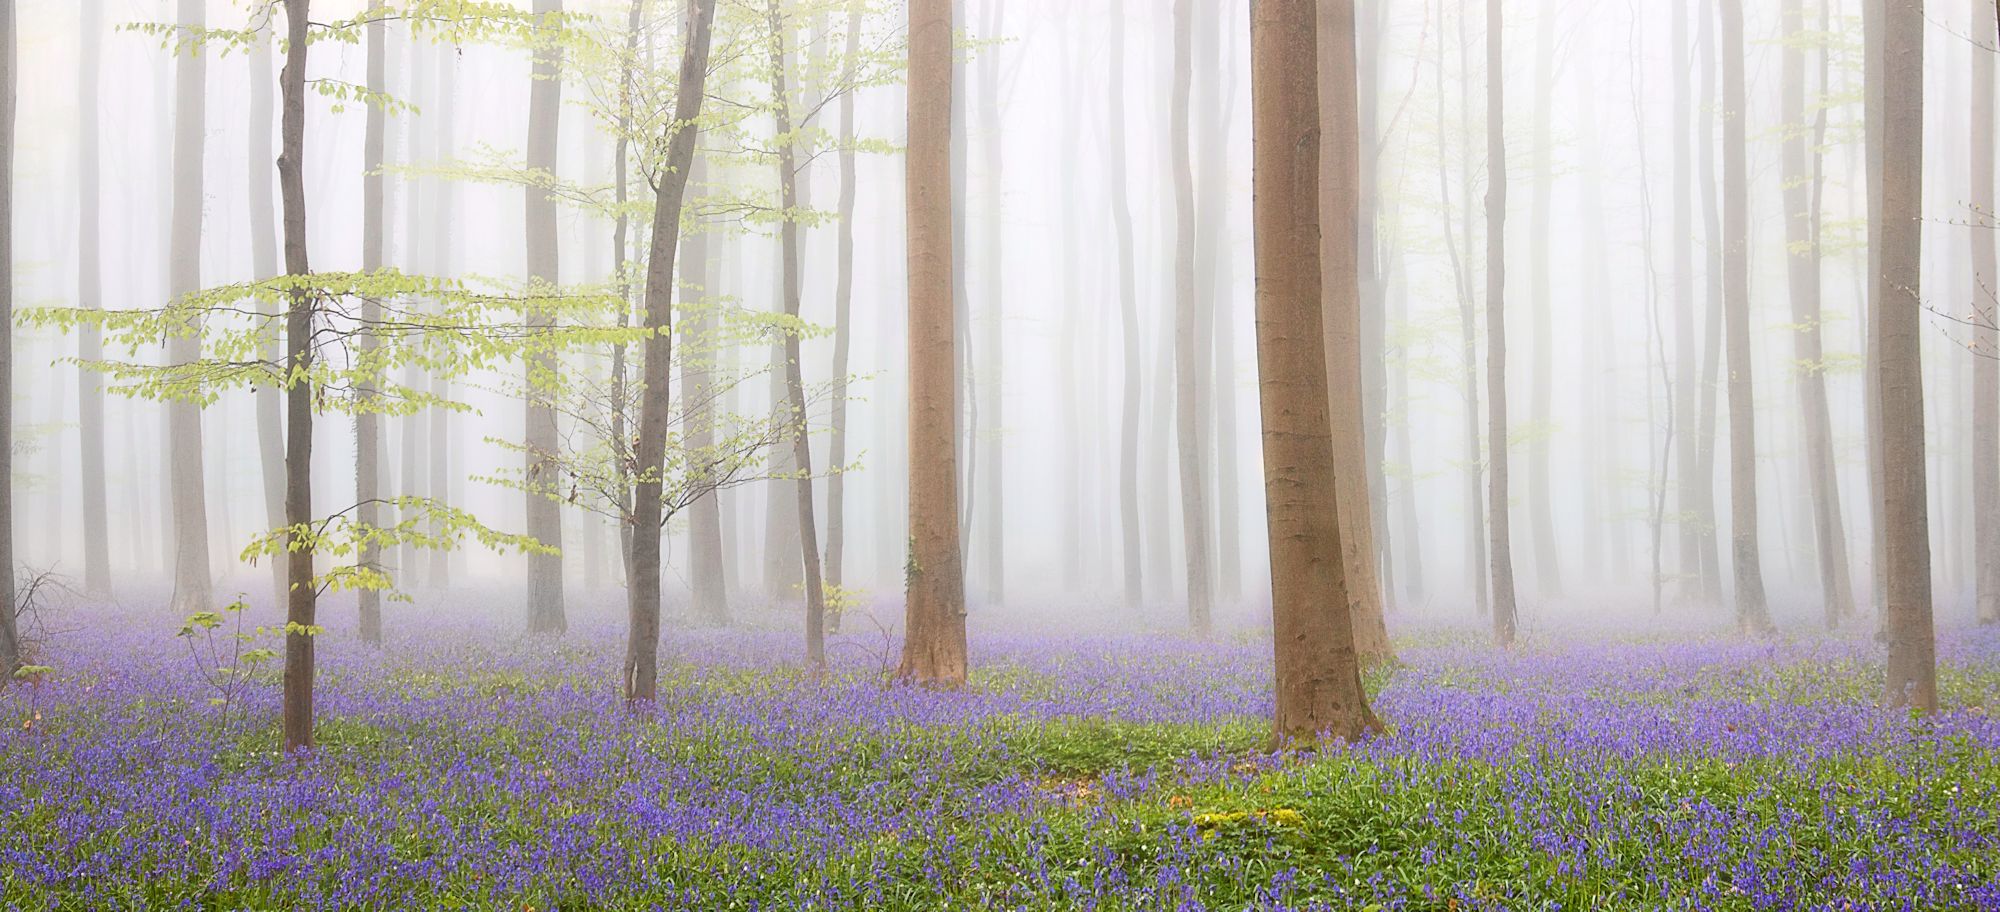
(795,388)
(1898,325)
(1499,535)
(843,331)
(1341,193)
(90,295)
(934,627)
(1319,693)
(1986,306)
(301,602)
(544,515)
(642,645)
(1189,365)
(1803,269)
(193,587)
(368,425)
(1128,315)
(1540,491)
(10,638)
(1751,612)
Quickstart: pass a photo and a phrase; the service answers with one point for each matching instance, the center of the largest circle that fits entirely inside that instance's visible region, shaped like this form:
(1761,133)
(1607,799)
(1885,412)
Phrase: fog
(1599,318)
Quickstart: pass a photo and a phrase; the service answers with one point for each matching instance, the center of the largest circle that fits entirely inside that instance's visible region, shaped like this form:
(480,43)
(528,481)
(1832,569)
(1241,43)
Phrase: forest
(1229,455)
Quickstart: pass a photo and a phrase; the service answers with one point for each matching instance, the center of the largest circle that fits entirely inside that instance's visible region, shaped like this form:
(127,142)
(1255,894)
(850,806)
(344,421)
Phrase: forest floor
(1108,772)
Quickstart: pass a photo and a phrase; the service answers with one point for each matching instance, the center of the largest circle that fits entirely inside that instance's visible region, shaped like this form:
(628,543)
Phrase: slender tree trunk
(1217,416)
(934,627)
(993,377)
(410,476)
(544,514)
(1686,451)
(1341,207)
(642,646)
(193,587)
(1751,613)
(367,424)
(1986,308)
(1540,491)
(621,230)
(1705,519)
(1898,324)
(1189,366)
(1319,693)
(1875,126)
(302,600)
(1801,213)
(442,483)
(1128,312)
(788,235)
(10,638)
(1500,538)
(698,331)
(1475,526)
(90,295)
(843,331)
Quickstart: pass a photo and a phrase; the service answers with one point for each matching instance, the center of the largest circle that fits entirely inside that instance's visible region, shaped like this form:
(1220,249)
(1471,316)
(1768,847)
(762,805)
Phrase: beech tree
(1499,536)
(10,639)
(934,626)
(1190,365)
(1986,310)
(193,587)
(544,514)
(1751,612)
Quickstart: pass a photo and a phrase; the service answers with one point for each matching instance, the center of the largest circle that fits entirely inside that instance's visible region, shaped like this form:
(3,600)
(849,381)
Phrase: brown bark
(1189,365)
(301,602)
(1803,268)
(1912,679)
(368,425)
(193,587)
(544,514)
(642,647)
(1341,200)
(1128,317)
(1986,308)
(1319,693)
(1500,548)
(795,389)
(90,295)
(1751,611)
(934,635)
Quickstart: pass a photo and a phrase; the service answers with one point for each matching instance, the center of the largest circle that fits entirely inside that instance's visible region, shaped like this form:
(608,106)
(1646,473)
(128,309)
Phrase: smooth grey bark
(640,674)
(1686,450)
(1746,560)
(1128,314)
(10,638)
(1213,82)
(1708,416)
(367,424)
(302,600)
(1875,125)
(843,318)
(1801,175)
(1499,535)
(710,594)
(1912,665)
(193,587)
(1189,366)
(90,296)
(1373,635)
(1985,417)
(621,255)
(992,538)
(795,389)
(544,513)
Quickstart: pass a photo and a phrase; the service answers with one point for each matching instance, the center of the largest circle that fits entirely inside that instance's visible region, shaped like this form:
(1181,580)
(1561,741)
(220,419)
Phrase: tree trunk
(367,424)
(1468,331)
(10,639)
(642,645)
(1189,366)
(1875,127)
(1704,478)
(1128,313)
(1751,613)
(1213,82)
(193,587)
(934,634)
(1499,535)
(416,258)
(711,597)
(992,539)
(1340,204)
(795,388)
(1319,693)
(1986,307)
(1898,324)
(843,331)
(90,295)
(621,230)
(1686,450)
(439,450)
(1803,269)
(1540,491)
(301,602)
(544,514)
